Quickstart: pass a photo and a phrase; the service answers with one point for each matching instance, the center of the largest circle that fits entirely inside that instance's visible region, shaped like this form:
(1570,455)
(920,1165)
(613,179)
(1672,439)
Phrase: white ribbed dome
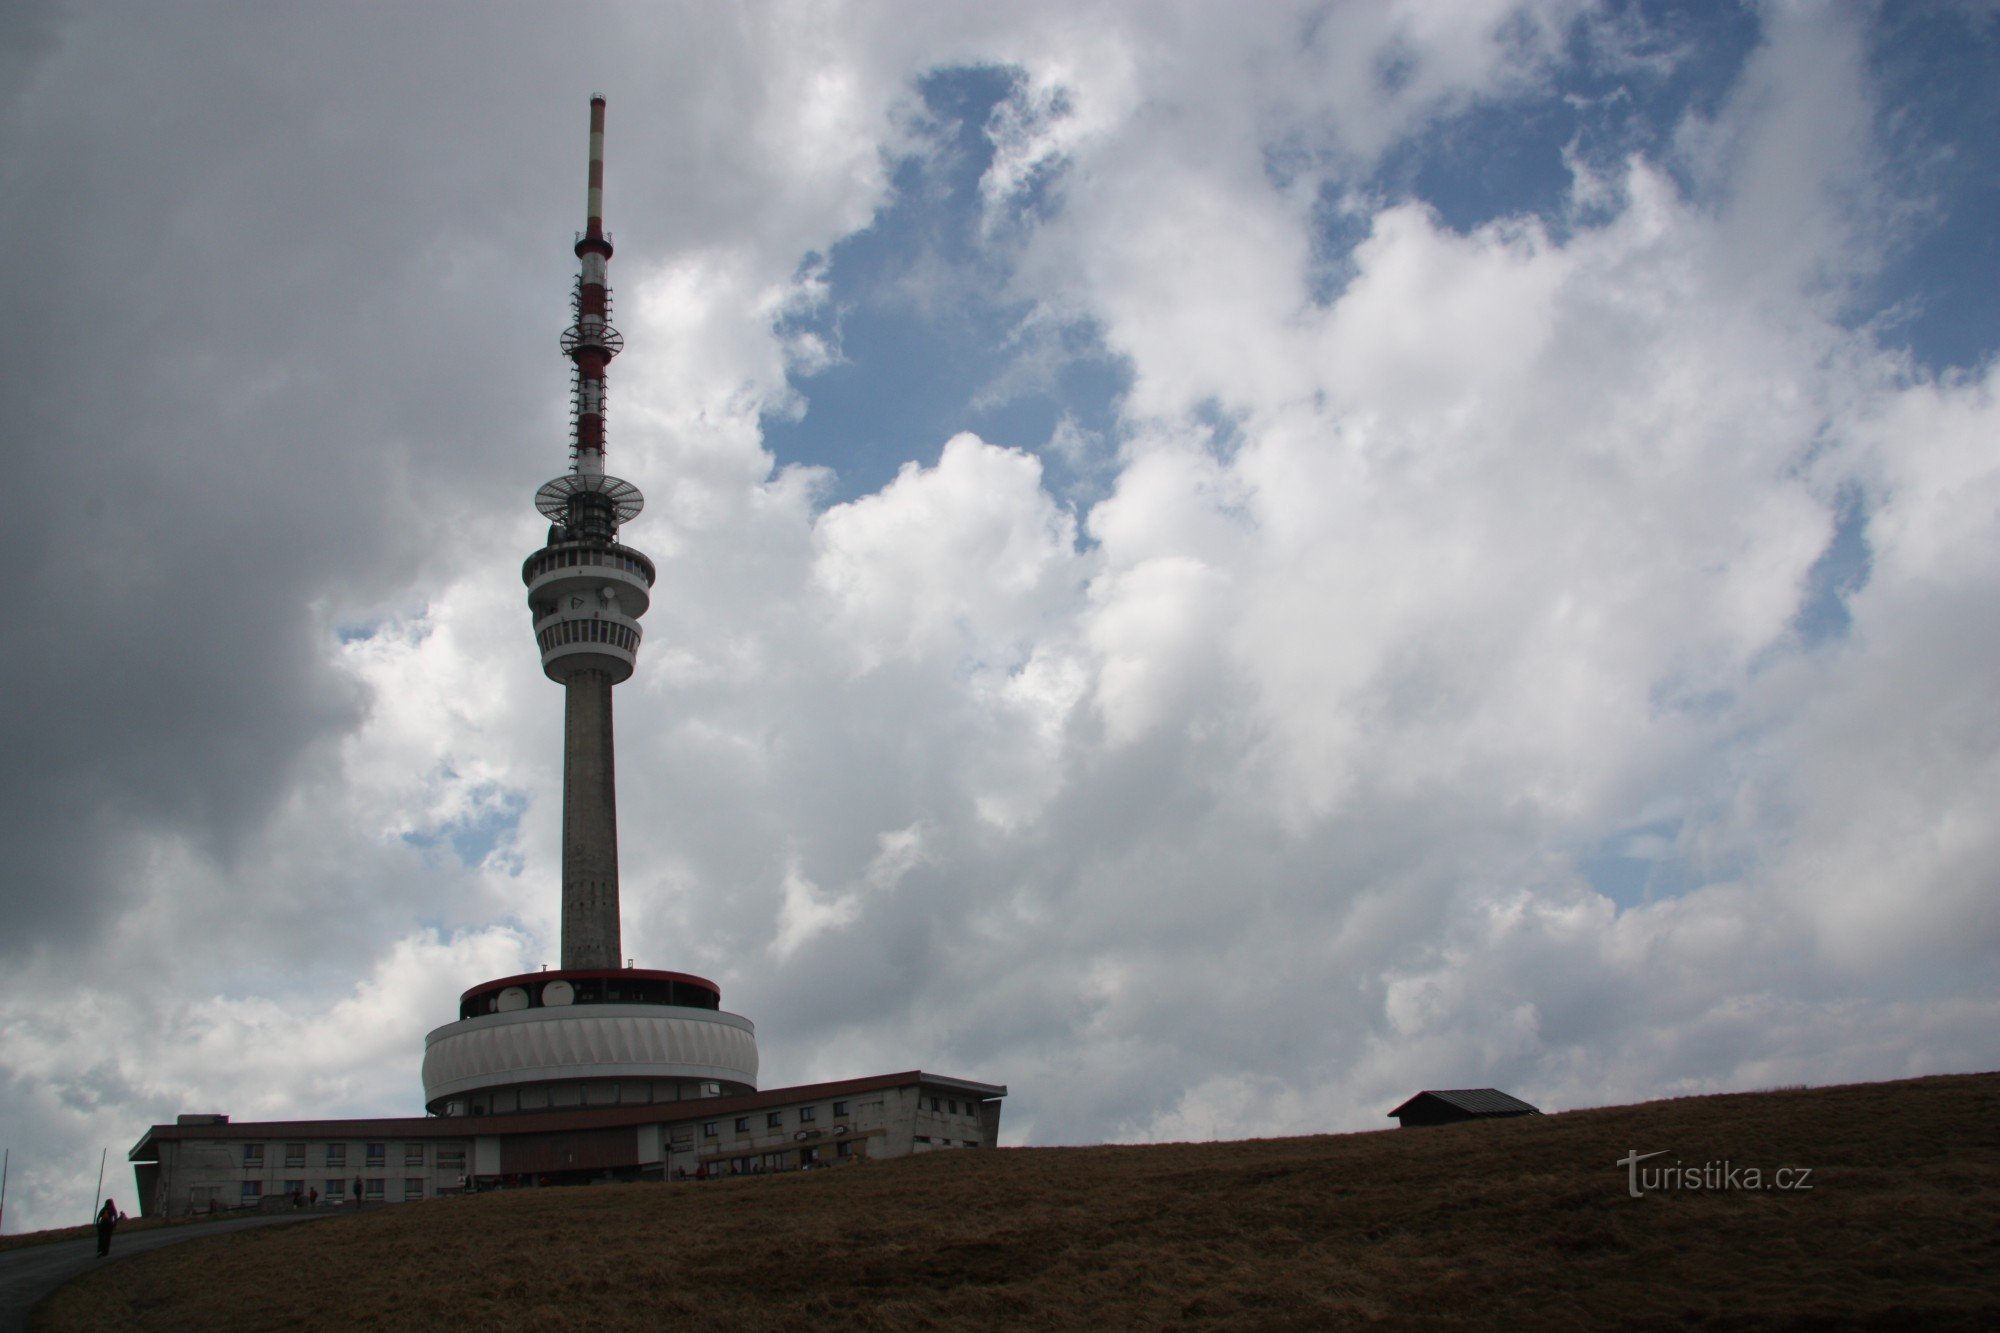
(588,1042)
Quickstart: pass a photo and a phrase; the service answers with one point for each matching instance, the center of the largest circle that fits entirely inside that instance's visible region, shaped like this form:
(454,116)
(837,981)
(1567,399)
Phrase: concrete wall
(192,1173)
(947,1118)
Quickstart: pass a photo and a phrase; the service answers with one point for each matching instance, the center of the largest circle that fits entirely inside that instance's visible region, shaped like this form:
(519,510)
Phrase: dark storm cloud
(247,379)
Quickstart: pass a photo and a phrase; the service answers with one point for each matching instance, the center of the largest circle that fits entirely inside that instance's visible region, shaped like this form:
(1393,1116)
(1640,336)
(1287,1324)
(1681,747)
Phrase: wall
(192,1172)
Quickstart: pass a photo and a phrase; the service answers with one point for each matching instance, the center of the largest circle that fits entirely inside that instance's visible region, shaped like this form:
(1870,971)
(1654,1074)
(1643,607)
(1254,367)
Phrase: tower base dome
(554,1040)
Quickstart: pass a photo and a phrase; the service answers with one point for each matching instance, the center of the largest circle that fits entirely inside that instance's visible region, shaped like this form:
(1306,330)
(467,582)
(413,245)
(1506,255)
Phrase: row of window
(373,1154)
(949,1106)
(590,631)
(373,1187)
(754,1164)
(595,1092)
(572,556)
(772,1120)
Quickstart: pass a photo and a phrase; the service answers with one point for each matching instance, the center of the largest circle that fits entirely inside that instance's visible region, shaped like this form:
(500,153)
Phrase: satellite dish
(513,998)
(558,993)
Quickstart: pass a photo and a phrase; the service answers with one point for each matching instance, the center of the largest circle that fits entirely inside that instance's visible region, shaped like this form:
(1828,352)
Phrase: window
(377,1153)
(295,1154)
(253,1190)
(954,1106)
(742,1124)
(253,1154)
(839,1109)
(336,1154)
(450,1158)
(808,1114)
(413,1187)
(937,1103)
(708,1129)
(335,1189)
(775,1120)
(295,1187)
(413,1154)
(374,1187)
(844,1148)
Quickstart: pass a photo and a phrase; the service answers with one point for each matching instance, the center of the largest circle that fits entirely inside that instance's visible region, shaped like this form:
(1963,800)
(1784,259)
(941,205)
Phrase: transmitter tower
(592,1032)
(587,592)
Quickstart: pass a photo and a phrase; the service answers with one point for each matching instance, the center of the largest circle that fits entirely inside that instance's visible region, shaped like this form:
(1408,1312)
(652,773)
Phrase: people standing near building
(312,1197)
(107,1218)
(357,1191)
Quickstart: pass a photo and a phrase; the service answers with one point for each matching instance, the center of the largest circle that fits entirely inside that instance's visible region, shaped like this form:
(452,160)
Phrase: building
(1452,1106)
(596,1070)
(206,1161)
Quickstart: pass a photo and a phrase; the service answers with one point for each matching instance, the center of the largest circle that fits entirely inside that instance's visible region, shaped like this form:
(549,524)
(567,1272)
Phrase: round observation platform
(577,1037)
(586,598)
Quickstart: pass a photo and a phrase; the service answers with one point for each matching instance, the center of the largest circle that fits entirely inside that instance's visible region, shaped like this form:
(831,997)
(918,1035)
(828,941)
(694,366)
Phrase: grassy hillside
(1509,1222)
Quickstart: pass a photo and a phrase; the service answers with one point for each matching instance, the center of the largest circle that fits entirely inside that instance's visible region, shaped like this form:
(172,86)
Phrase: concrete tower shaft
(590,928)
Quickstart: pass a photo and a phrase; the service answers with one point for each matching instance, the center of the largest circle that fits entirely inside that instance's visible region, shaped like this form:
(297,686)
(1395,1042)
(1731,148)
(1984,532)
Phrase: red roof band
(592,974)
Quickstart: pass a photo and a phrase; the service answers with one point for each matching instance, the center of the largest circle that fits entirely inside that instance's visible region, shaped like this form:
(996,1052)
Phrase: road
(33,1271)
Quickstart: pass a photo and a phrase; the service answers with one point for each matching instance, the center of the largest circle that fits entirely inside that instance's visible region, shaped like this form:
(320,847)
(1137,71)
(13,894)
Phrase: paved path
(33,1271)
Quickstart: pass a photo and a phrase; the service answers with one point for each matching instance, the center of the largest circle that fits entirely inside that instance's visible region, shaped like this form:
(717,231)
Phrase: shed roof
(1473,1101)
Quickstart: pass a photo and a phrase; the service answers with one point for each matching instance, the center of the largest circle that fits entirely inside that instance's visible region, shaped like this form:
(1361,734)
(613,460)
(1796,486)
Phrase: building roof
(1473,1101)
(553,1122)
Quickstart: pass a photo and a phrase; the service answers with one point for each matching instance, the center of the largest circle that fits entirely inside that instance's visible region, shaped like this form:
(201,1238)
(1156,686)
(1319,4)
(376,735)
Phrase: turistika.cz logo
(1723,1175)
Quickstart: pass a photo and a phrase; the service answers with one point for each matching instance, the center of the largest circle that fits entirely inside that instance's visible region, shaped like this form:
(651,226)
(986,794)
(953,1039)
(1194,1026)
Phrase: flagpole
(5,1156)
(100,1182)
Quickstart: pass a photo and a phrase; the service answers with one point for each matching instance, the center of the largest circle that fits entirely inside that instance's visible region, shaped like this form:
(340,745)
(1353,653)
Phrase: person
(312,1197)
(107,1218)
(357,1191)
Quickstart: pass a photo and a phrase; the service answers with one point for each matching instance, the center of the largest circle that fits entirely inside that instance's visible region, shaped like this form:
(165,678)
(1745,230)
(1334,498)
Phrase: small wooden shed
(1452,1105)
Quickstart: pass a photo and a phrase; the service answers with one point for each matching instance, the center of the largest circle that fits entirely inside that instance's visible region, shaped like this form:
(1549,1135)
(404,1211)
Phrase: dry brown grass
(1514,1222)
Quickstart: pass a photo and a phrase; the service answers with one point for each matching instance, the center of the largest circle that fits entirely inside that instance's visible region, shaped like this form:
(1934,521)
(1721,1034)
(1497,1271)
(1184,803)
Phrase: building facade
(203,1163)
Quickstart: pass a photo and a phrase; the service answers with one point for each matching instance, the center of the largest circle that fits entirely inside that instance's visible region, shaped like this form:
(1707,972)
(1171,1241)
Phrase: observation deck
(586,598)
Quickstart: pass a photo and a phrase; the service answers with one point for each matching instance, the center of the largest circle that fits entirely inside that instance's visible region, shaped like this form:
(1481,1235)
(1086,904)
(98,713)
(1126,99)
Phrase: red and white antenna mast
(591,342)
(586,501)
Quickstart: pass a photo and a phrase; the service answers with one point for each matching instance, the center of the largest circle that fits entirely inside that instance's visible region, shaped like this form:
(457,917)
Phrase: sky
(1219,565)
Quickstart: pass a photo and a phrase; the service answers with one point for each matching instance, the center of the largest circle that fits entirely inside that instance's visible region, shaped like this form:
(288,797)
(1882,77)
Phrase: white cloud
(969,556)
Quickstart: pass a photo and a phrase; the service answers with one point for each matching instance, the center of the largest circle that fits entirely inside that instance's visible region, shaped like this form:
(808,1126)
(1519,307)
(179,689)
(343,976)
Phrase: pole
(5,1155)
(100,1183)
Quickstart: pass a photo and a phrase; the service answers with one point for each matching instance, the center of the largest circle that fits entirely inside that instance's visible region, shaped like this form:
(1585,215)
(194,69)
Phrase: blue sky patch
(1638,865)
(930,342)
(1840,572)
(493,821)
